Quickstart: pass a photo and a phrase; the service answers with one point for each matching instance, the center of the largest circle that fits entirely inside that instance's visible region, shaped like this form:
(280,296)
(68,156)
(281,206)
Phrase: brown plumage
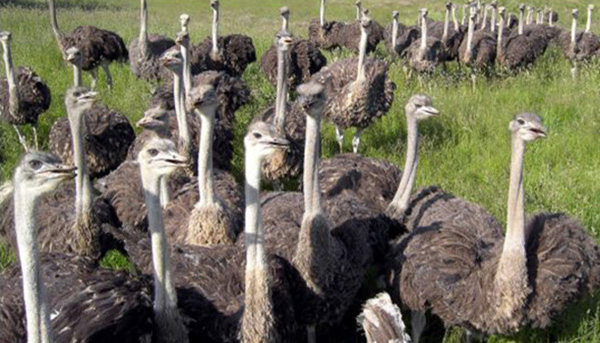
(351,36)
(327,36)
(405,37)
(426,53)
(519,51)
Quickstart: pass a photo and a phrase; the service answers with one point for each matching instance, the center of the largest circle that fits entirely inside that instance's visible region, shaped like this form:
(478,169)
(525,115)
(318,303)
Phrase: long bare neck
(58,35)
(454,19)
(484,21)
(83,186)
(520,22)
(143,39)
(493,22)
(588,26)
(284,23)
(257,320)
(312,193)
(358,11)
(187,68)
(11,78)
(402,196)
(529,16)
(463,20)
(500,43)
(215,32)
(282,88)
(362,55)
(185,141)
(322,13)
(550,19)
(394,32)
(77,72)
(36,307)
(205,156)
(469,49)
(574,30)
(446,25)
(423,32)
(515,230)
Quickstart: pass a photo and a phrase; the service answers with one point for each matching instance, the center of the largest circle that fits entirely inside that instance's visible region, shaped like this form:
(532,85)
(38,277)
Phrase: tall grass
(466,150)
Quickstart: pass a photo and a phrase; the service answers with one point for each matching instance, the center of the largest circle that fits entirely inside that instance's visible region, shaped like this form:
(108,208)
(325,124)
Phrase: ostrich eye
(257,135)
(153,152)
(35,164)
(419,105)
(520,121)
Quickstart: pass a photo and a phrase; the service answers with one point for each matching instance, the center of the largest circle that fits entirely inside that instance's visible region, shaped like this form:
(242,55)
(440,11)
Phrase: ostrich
(478,50)
(398,37)
(424,55)
(382,321)
(305,58)
(98,47)
(359,91)
(326,35)
(24,95)
(578,47)
(108,133)
(212,220)
(231,54)
(518,51)
(450,38)
(288,118)
(476,278)
(352,33)
(145,51)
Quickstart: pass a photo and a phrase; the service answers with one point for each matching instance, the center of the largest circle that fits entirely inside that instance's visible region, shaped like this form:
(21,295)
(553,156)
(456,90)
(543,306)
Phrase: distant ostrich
(544,34)
(305,58)
(288,118)
(351,34)
(476,278)
(478,50)
(398,37)
(578,47)
(326,35)
(450,37)
(98,47)
(425,54)
(24,95)
(108,133)
(517,51)
(382,321)
(145,51)
(551,17)
(359,91)
(231,54)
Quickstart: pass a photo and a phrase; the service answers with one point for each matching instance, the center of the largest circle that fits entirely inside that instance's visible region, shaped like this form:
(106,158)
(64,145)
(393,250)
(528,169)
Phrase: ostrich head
(527,126)
(160,156)
(448,5)
(395,15)
(185,20)
(283,40)
(155,119)
(5,37)
(72,54)
(263,140)
(172,59)
(420,107)
(40,172)
(79,99)
(575,13)
(203,97)
(522,8)
(182,38)
(590,7)
(365,23)
(494,4)
(284,12)
(502,11)
(312,98)
(214,4)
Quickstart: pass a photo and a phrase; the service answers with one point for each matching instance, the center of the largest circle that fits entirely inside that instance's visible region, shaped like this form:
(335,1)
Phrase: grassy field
(466,150)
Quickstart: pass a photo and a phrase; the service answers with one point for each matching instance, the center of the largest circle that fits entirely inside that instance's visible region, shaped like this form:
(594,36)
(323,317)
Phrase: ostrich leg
(21,138)
(339,136)
(109,80)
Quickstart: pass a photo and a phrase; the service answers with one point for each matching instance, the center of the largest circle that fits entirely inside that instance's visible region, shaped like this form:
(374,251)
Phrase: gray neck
(463,20)
(539,19)
(358,11)
(550,19)
(285,23)
(484,21)
(312,193)
(446,25)
(394,32)
(77,72)
(402,196)
(529,16)
(11,78)
(500,44)
(215,32)
(423,32)
(588,25)
(493,22)
(456,26)
(187,69)
(574,30)
(253,228)
(55,30)
(143,39)
(362,54)
(469,50)
(515,231)
(322,13)
(282,88)
(205,156)
(520,22)
(36,307)
(83,186)
(185,141)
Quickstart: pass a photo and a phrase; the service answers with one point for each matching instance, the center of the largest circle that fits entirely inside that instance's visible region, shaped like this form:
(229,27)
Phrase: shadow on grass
(83,5)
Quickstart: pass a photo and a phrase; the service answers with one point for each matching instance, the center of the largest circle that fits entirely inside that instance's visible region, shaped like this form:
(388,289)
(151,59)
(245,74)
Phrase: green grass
(466,150)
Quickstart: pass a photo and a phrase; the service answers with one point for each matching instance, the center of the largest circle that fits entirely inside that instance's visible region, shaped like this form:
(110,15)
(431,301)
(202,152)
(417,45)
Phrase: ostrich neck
(454,19)
(285,23)
(187,69)
(493,22)
(394,33)
(423,33)
(11,78)
(588,25)
(574,30)
(521,22)
(282,89)
(205,156)
(312,194)
(185,142)
(83,186)
(36,308)
(77,73)
(463,20)
(484,21)
(255,253)
(402,196)
(515,237)
(469,49)
(322,13)
(215,32)
(58,35)
(143,39)
(358,11)
(500,46)
(446,25)
(550,19)
(362,55)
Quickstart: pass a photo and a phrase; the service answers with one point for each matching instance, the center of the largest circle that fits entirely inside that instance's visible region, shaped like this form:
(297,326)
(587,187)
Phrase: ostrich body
(382,321)
(470,274)
(425,54)
(108,133)
(288,118)
(478,50)
(305,58)
(24,95)
(326,35)
(517,51)
(231,54)
(351,34)
(359,91)
(145,51)
(451,37)
(579,47)
(398,37)
(85,303)
(98,47)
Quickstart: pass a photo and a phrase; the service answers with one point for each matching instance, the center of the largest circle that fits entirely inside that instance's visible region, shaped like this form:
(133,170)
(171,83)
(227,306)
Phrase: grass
(466,150)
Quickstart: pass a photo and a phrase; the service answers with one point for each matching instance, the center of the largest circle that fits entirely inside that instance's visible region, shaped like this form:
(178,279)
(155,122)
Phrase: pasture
(466,150)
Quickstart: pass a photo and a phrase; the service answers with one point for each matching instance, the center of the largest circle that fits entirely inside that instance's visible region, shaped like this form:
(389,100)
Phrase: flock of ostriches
(218,262)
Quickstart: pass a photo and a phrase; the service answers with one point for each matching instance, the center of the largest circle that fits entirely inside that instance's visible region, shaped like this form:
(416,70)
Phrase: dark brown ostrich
(425,54)
(305,58)
(24,95)
(467,272)
(477,50)
(108,133)
(231,54)
(579,47)
(326,35)
(351,33)
(358,91)
(398,37)
(517,51)
(98,47)
(450,37)
(145,51)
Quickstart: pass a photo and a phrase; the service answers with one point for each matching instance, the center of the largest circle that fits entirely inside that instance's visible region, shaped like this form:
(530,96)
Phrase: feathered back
(96,46)
(34,98)
(328,37)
